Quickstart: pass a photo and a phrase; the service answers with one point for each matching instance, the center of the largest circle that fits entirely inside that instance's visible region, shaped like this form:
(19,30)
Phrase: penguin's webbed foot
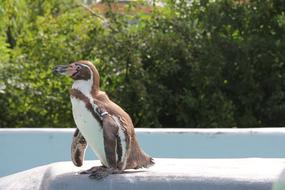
(100,174)
(93,169)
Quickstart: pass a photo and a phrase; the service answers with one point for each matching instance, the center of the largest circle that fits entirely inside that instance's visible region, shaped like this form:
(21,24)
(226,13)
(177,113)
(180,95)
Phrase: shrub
(199,64)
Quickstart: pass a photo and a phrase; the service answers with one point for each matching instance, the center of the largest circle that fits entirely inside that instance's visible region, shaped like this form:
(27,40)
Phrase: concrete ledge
(202,174)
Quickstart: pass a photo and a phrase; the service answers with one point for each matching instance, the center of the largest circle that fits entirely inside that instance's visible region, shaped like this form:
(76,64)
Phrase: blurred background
(194,64)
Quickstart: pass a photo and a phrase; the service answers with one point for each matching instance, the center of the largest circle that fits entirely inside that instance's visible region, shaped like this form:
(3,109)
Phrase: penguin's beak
(60,69)
(68,70)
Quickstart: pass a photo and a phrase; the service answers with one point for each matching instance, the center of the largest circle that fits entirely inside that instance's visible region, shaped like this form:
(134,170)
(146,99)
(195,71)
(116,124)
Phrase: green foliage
(199,64)
(33,97)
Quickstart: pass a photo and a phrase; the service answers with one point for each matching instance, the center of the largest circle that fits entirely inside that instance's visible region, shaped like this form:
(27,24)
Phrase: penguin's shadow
(124,172)
(133,171)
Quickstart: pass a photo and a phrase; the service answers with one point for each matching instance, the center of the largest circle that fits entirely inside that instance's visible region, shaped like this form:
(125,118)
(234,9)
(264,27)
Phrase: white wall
(22,149)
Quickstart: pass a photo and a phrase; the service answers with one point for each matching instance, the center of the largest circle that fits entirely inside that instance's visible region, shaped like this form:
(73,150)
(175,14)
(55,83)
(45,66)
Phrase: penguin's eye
(78,67)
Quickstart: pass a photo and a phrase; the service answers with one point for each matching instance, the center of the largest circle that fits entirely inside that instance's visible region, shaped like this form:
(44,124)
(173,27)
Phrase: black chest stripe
(119,149)
(79,95)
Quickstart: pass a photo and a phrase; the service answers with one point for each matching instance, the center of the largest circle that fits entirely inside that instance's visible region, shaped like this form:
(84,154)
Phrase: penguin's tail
(144,161)
(137,158)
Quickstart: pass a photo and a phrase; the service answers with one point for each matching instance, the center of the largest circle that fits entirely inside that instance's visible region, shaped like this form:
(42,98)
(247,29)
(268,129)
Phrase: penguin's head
(83,73)
(80,70)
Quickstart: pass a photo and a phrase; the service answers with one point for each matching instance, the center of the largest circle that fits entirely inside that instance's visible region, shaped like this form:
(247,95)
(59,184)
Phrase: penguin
(101,124)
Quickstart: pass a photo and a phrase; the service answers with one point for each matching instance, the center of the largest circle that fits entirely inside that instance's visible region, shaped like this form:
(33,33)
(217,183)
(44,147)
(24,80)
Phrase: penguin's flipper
(110,134)
(78,148)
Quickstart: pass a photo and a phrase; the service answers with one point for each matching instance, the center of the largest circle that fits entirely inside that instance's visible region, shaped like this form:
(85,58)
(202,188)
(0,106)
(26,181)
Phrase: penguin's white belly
(90,128)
